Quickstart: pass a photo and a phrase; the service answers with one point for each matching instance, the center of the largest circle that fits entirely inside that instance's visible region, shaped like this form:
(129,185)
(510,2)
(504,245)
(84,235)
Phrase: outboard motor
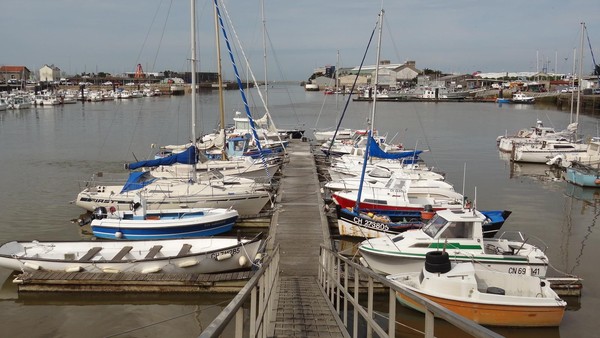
(99,213)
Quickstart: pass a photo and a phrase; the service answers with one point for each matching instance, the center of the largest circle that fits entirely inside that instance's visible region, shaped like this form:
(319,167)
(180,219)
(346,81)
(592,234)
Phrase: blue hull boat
(162,224)
(583,175)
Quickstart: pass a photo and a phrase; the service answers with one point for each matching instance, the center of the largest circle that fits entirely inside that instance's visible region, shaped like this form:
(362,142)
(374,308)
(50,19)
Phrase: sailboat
(545,151)
(173,193)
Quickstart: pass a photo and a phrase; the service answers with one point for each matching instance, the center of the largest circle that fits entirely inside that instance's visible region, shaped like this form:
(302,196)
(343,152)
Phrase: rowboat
(484,296)
(190,255)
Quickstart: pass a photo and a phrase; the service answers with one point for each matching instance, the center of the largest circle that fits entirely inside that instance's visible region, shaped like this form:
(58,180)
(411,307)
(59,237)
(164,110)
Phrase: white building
(49,73)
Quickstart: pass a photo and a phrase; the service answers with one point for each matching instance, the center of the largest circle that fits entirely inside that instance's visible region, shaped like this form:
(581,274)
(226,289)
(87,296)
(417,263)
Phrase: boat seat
(185,249)
(124,251)
(91,253)
(153,251)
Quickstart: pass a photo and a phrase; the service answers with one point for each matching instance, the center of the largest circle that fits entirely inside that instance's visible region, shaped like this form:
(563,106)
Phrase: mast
(580,73)
(193,69)
(370,132)
(220,83)
(264,38)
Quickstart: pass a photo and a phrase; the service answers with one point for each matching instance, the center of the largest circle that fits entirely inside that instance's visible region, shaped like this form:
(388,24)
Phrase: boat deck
(300,227)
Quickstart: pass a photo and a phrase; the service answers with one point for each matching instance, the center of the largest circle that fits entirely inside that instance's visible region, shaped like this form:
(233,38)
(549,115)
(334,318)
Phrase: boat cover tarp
(137,180)
(376,151)
(186,157)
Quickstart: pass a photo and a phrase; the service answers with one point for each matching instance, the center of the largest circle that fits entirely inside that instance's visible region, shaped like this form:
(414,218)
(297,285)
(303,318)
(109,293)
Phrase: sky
(459,36)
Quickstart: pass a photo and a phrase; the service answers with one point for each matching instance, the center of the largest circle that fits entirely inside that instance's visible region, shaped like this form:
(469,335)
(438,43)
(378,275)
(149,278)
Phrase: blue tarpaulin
(375,151)
(186,157)
(137,180)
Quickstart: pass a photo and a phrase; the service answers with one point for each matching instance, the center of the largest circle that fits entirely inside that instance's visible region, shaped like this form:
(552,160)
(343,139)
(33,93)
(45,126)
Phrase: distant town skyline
(463,36)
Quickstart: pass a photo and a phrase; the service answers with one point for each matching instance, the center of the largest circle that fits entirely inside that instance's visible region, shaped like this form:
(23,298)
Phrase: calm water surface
(48,152)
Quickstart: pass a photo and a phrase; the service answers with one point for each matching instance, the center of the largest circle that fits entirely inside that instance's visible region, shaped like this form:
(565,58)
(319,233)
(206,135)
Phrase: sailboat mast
(370,131)
(376,80)
(220,84)
(193,69)
(580,73)
(264,38)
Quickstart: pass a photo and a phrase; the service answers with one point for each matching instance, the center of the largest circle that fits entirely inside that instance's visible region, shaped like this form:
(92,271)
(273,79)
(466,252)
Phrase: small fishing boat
(583,175)
(142,224)
(460,233)
(484,296)
(190,255)
(379,224)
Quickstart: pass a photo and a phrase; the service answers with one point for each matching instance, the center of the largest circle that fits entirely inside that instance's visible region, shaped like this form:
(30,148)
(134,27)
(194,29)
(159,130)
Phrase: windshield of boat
(434,226)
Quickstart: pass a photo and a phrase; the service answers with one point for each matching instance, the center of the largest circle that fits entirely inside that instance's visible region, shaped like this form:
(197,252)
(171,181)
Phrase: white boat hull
(206,255)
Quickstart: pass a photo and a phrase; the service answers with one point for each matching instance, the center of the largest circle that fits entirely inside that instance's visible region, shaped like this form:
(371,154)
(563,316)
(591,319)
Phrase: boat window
(434,226)
(456,230)
(375,201)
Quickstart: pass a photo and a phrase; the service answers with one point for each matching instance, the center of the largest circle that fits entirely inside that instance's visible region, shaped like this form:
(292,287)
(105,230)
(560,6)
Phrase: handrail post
(370,307)
(392,313)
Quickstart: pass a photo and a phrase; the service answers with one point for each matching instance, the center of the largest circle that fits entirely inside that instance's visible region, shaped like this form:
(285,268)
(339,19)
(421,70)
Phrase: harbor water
(48,152)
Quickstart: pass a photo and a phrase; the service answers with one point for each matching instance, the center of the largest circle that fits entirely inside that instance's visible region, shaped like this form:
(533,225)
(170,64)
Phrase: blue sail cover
(375,151)
(137,180)
(186,157)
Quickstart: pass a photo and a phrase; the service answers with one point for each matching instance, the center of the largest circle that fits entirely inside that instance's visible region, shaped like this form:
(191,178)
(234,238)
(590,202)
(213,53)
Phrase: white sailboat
(173,193)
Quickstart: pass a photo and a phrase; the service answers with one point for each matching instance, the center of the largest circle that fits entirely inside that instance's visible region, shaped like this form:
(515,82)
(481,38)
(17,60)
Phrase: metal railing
(335,272)
(261,291)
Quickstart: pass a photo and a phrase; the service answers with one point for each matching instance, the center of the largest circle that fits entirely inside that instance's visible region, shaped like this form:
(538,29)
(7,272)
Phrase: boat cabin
(463,223)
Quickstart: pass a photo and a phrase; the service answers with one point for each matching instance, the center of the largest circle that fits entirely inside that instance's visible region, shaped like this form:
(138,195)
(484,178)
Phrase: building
(14,74)
(390,74)
(49,73)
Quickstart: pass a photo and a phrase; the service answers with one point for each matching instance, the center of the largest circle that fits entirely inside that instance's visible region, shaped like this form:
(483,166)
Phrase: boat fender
(188,263)
(111,270)
(75,268)
(243,261)
(152,269)
(224,256)
(32,266)
(495,290)
(118,234)
(597,181)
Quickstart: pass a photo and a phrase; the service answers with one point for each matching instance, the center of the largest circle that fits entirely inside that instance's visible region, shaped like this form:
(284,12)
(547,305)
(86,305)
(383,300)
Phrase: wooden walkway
(300,227)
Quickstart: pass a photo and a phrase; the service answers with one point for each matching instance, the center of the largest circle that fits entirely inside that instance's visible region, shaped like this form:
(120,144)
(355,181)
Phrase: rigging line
(591,51)
(387,25)
(148,33)
(362,62)
(162,35)
(240,86)
(279,68)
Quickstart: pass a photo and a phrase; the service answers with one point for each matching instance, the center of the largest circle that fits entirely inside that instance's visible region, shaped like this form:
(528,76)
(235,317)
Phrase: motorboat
(189,255)
(520,97)
(458,232)
(400,195)
(485,296)
(375,224)
(141,224)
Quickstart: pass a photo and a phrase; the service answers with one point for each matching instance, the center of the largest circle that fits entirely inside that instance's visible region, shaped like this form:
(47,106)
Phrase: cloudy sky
(459,36)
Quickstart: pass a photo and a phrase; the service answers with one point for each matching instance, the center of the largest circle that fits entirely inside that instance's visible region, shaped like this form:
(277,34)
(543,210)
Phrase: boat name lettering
(518,271)
(371,224)
(233,251)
